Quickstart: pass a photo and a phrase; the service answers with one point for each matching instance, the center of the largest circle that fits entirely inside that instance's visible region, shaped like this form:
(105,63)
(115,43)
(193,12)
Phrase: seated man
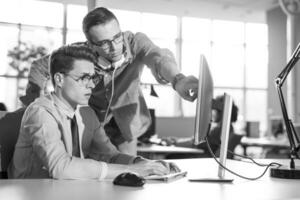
(58,139)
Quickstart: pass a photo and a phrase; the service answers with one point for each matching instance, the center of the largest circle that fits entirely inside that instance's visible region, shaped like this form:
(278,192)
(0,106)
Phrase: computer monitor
(204,102)
(203,119)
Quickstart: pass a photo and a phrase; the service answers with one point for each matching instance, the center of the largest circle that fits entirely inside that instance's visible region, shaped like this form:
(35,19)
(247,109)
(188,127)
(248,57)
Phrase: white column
(292,10)
(291,79)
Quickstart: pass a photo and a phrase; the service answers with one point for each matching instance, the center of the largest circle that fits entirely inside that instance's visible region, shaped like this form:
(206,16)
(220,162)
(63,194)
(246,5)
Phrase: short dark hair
(96,16)
(62,59)
(2,107)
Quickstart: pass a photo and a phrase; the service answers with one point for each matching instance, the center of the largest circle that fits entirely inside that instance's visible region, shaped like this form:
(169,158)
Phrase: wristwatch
(176,79)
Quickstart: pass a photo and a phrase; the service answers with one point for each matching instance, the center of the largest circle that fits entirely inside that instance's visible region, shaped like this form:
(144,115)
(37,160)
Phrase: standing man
(118,99)
(58,139)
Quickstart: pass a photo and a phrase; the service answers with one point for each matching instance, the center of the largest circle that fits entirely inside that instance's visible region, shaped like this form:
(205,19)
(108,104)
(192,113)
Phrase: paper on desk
(167,177)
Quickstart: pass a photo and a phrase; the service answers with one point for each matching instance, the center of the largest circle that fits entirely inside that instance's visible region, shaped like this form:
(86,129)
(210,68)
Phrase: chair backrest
(9,131)
(2,113)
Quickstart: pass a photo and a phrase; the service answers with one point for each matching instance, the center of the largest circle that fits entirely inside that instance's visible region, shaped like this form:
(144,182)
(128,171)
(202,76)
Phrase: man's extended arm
(163,66)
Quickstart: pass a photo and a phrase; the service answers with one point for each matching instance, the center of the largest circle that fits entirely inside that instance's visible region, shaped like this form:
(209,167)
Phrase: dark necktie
(75,138)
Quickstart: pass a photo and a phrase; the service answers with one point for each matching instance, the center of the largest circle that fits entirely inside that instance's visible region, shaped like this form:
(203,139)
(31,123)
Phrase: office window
(256,70)
(196,37)
(31,12)
(256,81)
(49,38)
(75,15)
(154,26)
(256,34)
(227,65)
(256,107)
(6,8)
(233,49)
(129,20)
(9,95)
(228,32)
(237,54)
(162,30)
(256,55)
(32,23)
(41,13)
(8,39)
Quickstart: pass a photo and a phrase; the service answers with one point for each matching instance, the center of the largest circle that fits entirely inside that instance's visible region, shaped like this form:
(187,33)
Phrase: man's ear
(58,79)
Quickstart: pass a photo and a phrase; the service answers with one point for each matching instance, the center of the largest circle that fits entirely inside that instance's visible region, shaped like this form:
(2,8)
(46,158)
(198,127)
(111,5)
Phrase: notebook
(167,177)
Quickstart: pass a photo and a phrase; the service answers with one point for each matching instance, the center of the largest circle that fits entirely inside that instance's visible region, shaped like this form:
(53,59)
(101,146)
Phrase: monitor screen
(204,102)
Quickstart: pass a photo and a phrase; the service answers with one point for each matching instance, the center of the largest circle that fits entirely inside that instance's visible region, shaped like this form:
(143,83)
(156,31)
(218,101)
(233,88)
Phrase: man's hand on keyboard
(172,167)
(147,167)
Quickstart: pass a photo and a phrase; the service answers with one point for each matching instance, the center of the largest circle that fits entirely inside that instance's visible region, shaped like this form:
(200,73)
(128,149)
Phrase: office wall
(276,21)
(175,127)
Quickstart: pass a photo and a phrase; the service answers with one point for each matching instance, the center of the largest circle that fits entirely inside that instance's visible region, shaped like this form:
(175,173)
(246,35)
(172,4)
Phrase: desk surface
(265,142)
(264,188)
(166,149)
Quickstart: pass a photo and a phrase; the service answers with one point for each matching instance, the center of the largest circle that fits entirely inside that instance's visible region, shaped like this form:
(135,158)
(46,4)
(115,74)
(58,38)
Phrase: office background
(244,41)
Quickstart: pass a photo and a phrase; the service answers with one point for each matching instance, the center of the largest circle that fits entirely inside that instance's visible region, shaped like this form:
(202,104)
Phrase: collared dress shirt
(44,146)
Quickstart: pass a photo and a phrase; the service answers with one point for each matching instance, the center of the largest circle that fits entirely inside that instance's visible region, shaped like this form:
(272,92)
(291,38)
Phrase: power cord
(236,174)
(251,159)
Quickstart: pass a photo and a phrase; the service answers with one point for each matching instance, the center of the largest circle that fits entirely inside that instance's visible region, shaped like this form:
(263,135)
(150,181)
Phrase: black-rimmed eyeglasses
(106,44)
(85,79)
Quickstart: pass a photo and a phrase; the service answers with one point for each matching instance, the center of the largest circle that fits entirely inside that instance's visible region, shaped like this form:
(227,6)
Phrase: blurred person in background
(214,136)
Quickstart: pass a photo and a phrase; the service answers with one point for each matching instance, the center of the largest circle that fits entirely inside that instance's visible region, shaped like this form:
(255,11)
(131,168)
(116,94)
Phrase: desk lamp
(291,172)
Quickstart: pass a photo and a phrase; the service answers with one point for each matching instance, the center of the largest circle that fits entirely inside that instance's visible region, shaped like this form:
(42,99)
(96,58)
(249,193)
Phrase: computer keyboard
(167,177)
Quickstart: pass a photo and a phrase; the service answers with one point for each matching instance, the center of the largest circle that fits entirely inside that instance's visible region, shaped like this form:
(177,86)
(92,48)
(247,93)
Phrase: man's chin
(84,102)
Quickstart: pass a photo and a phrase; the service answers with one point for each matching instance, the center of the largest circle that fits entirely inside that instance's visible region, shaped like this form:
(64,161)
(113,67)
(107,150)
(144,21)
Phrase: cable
(234,173)
(251,159)
(112,93)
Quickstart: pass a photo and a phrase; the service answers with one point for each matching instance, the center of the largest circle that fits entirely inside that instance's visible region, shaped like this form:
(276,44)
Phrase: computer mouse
(129,179)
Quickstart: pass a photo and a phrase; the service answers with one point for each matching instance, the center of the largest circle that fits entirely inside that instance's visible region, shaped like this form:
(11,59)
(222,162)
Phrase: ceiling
(243,4)
(242,10)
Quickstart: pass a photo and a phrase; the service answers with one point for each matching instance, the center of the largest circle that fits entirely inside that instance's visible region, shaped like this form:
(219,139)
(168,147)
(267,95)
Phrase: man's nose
(91,84)
(113,46)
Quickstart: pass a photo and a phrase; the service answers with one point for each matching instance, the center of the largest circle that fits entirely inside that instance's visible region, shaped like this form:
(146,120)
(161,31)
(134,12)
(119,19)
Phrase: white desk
(264,142)
(264,188)
(159,152)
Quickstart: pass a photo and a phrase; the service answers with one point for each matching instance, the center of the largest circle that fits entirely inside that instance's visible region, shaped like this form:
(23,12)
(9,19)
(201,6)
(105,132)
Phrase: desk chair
(9,131)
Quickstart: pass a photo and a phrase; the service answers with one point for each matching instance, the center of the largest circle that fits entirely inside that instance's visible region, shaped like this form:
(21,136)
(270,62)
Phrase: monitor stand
(226,120)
